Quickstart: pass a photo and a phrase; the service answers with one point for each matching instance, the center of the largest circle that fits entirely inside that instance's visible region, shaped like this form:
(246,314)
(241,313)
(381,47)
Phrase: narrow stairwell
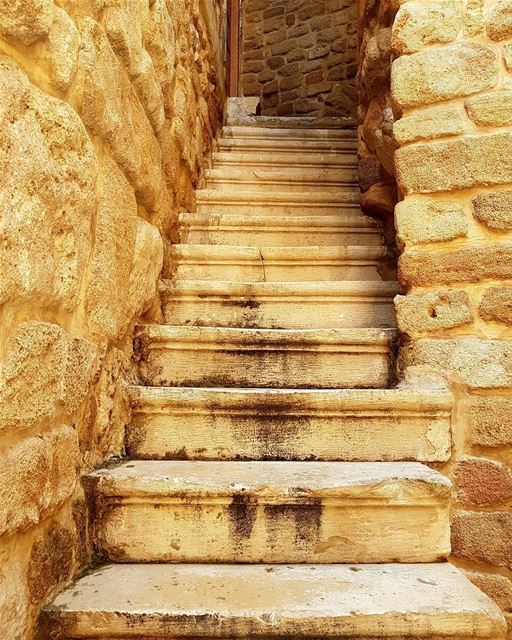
(275,485)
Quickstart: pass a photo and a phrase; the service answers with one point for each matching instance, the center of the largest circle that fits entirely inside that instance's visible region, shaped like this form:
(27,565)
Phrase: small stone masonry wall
(299,56)
(107,112)
(451,84)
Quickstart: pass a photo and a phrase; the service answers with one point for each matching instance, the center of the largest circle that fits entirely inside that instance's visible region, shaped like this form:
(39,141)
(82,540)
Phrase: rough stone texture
(482,482)
(496,305)
(497,587)
(483,537)
(490,261)
(490,421)
(107,116)
(428,124)
(300,56)
(507,55)
(419,24)
(432,311)
(478,363)
(494,210)
(443,73)
(455,164)
(491,109)
(499,20)
(419,220)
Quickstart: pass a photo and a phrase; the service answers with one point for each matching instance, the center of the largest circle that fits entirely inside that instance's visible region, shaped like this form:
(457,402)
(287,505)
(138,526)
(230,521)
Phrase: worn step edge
(297,291)
(206,254)
(305,199)
(218,221)
(225,338)
(285,159)
(280,482)
(310,133)
(301,145)
(370,602)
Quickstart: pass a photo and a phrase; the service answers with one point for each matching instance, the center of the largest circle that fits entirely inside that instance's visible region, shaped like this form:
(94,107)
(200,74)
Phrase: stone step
(220,357)
(368,602)
(273,202)
(319,180)
(284,133)
(280,305)
(307,158)
(299,144)
(275,264)
(275,512)
(350,228)
(275,424)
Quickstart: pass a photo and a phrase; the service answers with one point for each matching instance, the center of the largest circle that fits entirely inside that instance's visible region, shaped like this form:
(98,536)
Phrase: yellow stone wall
(108,109)
(448,111)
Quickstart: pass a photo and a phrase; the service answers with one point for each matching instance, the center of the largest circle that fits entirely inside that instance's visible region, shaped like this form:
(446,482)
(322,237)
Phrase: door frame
(233,48)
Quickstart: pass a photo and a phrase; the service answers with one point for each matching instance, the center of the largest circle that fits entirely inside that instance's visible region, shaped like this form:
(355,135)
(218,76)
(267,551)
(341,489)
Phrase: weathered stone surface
(443,73)
(499,20)
(491,109)
(477,362)
(482,482)
(494,210)
(61,49)
(483,537)
(46,193)
(44,363)
(474,17)
(419,220)
(419,24)
(37,475)
(455,164)
(496,305)
(431,311)
(507,55)
(115,232)
(497,587)
(490,420)
(380,199)
(375,67)
(25,21)
(473,264)
(429,123)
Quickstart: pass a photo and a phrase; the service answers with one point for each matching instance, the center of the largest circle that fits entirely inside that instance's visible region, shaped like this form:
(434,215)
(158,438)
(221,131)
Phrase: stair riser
(200,433)
(289,175)
(284,159)
(241,530)
(278,313)
(268,272)
(260,368)
(337,191)
(283,237)
(297,146)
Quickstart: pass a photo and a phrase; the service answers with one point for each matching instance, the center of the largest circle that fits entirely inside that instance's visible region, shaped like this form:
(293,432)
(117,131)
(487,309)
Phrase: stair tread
(349,197)
(432,601)
(306,133)
(346,220)
(266,480)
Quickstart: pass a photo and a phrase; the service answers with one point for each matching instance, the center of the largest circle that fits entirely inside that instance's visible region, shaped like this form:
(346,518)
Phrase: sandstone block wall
(107,112)
(451,81)
(300,56)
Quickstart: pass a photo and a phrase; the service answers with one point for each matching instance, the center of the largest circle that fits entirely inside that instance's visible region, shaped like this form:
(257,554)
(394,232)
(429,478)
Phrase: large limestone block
(483,537)
(419,220)
(479,363)
(419,24)
(115,231)
(491,109)
(60,50)
(278,512)
(111,110)
(432,311)
(490,420)
(25,21)
(51,368)
(443,73)
(450,165)
(429,123)
(47,176)
(37,475)
(496,305)
(494,210)
(499,20)
(471,264)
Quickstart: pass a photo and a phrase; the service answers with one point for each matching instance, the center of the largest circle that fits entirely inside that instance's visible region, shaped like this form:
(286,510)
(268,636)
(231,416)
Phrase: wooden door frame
(233,49)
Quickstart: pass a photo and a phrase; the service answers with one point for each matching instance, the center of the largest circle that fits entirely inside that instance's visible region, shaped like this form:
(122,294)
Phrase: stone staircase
(275,485)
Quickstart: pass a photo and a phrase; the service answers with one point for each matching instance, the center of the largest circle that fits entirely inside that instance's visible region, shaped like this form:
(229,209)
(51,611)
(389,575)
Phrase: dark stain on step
(242,516)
